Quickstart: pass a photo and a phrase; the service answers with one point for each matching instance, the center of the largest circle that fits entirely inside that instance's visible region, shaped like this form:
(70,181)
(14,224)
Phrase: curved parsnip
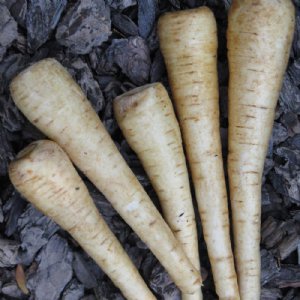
(43,173)
(53,102)
(147,120)
(259,39)
(188,40)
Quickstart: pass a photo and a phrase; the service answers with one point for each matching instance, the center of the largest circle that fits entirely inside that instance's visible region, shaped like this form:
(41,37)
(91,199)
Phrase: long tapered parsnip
(188,40)
(147,120)
(259,39)
(53,102)
(43,173)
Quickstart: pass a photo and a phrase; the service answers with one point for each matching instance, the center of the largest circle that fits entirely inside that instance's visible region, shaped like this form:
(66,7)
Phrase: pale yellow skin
(148,122)
(259,37)
(53,102)
(188,40)
(45,176)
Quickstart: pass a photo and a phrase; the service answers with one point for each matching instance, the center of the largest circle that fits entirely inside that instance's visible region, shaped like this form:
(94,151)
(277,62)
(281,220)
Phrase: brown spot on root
(232,159)
(248,143)
(248,32)
(95,235)
(233,276)
(73,202)
(32,179)
(40,186)
(152,223)
(186,56)
(169,131)
(171,143)
(219,259)
(98,126)
(103,242)
(254,70)
(191,72)
(49,123)
(196,119)
(63,130)
(251,117)
(244,127)
(256,106)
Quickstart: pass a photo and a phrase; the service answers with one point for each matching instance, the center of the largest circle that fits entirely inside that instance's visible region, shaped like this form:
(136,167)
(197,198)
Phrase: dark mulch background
(110,47)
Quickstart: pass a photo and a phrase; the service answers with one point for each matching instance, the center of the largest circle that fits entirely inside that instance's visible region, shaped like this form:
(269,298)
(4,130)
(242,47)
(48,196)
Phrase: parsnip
(43,173)
(50,99)
(259,39)
(147,120)
(188,40)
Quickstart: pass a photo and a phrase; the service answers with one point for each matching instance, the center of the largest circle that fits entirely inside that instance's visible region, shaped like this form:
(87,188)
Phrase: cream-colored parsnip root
(148,122)
(53,102)
(259,39)
(188,40)
(45,176)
